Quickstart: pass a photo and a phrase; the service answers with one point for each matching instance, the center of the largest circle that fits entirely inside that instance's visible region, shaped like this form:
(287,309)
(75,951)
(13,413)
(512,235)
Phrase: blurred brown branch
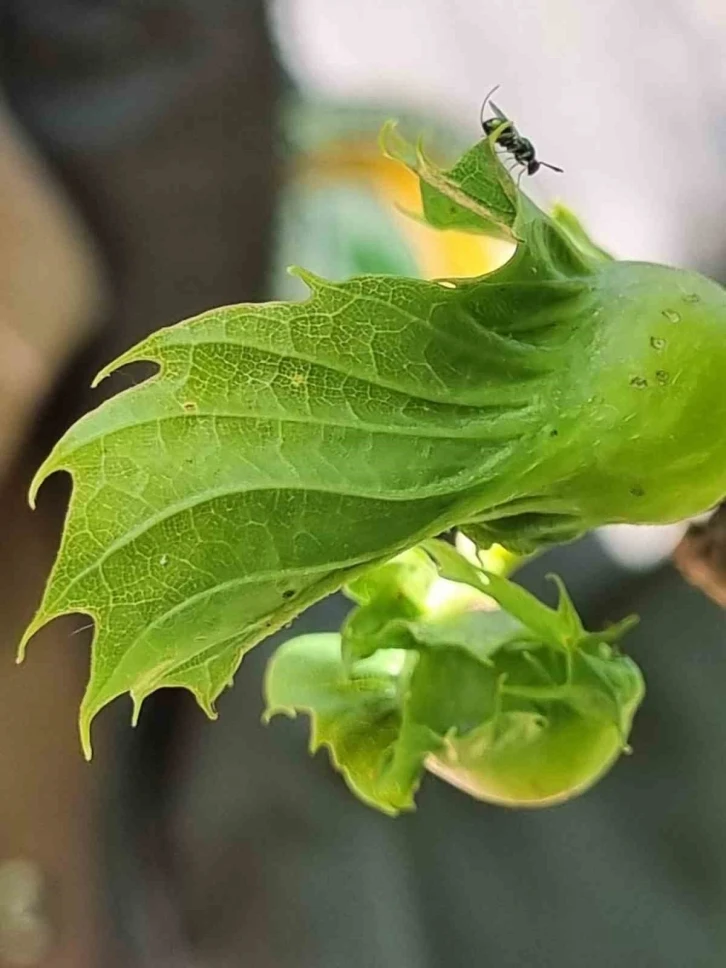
(701,556)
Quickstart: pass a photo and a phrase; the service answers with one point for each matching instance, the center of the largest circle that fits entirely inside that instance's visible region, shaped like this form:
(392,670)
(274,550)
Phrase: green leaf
(451,692)
(395,590)
(280,449)
(453,566)
(521,707)
(405,580)
(284,448)
(356,715)
(480,630)
(476,195)
(559,628)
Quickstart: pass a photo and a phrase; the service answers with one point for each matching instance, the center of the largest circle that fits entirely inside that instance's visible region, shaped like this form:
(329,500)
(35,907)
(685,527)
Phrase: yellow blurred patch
(438,254)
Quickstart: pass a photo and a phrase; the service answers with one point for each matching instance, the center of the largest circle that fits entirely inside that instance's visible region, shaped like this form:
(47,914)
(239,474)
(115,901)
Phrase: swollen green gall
(516,705)
(284,449)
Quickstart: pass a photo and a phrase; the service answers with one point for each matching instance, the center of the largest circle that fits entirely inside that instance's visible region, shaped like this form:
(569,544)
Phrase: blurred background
(160,157)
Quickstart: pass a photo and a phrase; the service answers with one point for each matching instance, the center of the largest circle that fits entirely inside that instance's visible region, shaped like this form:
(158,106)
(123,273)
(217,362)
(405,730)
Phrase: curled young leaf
(476,195)
(517,706)
(355,713)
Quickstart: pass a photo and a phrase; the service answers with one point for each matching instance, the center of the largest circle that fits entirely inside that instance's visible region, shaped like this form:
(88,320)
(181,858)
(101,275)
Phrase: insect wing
(498,111)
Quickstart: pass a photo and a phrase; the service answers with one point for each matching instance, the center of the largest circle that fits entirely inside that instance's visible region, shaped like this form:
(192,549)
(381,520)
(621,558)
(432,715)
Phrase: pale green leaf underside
(281,447)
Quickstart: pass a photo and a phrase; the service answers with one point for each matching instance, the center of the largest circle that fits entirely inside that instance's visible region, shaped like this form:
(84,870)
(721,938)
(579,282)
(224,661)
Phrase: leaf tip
(92,703)
(102,374)
(36,624)
(138,702)
(84,728)
(205,701)
(613,633)
(111,367)
(390,141)
(133,355)
(271,711)
(313,282)
(48,467)
(409,213)
(23,646)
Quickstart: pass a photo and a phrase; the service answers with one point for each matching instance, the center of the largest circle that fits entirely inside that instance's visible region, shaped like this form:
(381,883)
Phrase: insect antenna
(553,167)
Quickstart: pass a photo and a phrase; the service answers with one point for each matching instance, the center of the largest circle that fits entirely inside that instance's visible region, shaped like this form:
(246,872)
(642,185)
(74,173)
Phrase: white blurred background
(627,96)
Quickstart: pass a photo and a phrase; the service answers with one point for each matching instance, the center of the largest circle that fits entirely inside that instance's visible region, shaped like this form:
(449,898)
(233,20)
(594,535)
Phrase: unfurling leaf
(284,448)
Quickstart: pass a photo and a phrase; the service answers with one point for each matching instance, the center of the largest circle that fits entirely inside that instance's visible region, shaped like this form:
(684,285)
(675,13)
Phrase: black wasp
(521,149)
